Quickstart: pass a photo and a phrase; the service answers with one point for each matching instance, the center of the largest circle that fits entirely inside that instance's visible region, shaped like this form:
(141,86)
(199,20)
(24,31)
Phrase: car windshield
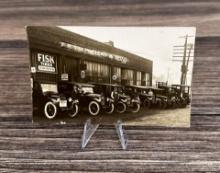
(49,87)
(87,89)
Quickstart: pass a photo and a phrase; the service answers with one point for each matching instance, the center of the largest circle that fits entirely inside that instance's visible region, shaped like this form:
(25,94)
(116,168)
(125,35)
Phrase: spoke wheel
(74,111)
(159,104)
(136,108)
(110,109)
(94,108)
(50,110)
(164,104)
(147,104)
(121,107)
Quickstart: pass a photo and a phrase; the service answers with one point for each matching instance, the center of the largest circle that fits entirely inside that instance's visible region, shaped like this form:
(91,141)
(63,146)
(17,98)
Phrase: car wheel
(121,107)
(179,105)
(184,103)
(147,104)
(74,111)
(164,104)
(110,109)
(159,104)
(174,105)
(50,110)
(136,108)
(94,108)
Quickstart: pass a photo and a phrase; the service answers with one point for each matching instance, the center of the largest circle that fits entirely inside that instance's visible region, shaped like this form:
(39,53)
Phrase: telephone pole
(183,52)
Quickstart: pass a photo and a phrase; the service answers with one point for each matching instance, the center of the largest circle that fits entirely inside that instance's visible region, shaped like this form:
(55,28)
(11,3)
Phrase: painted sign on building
(46,63)
(101,54)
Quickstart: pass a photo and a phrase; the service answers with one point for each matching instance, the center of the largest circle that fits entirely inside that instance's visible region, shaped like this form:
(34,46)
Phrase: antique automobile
(120,99)
(150,97)
(84,92)
(168,96)
(146,96)
(46,96)
(133,101)
(182,94)
(105,90)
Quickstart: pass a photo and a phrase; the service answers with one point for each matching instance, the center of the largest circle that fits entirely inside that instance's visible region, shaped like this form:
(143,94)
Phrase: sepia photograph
(139,75)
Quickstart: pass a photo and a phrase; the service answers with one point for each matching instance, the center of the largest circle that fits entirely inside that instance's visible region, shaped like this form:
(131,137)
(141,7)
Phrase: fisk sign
(46,63)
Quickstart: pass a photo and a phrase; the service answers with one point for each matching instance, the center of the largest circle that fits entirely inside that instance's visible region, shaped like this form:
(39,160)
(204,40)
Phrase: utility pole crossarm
(185,52)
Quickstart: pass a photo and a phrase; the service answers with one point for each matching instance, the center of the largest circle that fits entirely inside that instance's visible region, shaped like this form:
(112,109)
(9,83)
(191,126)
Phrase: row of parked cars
(71,97)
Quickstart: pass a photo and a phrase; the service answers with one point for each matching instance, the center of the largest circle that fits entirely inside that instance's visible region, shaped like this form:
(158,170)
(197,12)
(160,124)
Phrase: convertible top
(106,84)
(180,85)
(154,88)
(137,86)
(78,84)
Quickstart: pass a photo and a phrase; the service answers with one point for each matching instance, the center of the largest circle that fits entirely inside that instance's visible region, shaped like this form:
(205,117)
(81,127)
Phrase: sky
(154,43)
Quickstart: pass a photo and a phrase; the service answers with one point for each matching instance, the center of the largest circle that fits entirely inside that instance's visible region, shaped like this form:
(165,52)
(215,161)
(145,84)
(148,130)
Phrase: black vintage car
(84,93)
(182,94)
(133,100)
(115,92)
(146,96)
(106,92)
(169,95)
(150,96)
(47,99)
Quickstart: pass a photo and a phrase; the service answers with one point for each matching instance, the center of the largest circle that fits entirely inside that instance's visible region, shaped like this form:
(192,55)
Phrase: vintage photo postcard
(139,75)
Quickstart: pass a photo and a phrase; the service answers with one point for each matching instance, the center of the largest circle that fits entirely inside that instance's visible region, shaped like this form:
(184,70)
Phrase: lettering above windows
(93,52)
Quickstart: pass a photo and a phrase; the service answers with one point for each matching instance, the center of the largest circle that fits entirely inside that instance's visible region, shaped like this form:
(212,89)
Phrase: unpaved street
(153,117)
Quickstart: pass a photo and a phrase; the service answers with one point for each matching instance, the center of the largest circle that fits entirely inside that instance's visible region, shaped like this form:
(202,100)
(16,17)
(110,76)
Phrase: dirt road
(151,117)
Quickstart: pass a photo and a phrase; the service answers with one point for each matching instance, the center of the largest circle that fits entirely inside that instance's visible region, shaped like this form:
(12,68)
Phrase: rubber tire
(112,109)
(45,110)
(98,108)
(159,104)
(184,104)
(174,105)
(164,104)
(124,105)
(77,110)
(138,108)
(147,104)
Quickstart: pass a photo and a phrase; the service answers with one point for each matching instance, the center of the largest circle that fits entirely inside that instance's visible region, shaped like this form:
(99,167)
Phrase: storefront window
(146,79)
(127,76)
(96,71)
(138,78)
(117,72)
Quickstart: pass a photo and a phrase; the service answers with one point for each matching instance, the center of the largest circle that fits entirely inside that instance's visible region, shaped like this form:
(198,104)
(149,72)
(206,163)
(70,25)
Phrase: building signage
(93,52)
(64,76)
(46,63)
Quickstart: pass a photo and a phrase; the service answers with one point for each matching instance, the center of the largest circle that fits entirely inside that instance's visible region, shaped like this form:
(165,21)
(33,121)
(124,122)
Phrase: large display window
(127,76)
(116,74)
(146,79)
(138,78)
(96,72)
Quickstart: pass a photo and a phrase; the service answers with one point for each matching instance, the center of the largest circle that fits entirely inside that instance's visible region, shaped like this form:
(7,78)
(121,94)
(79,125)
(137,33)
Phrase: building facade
(57,54)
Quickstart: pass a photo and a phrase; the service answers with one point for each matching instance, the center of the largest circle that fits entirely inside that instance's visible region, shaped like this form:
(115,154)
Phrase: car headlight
(70,99)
